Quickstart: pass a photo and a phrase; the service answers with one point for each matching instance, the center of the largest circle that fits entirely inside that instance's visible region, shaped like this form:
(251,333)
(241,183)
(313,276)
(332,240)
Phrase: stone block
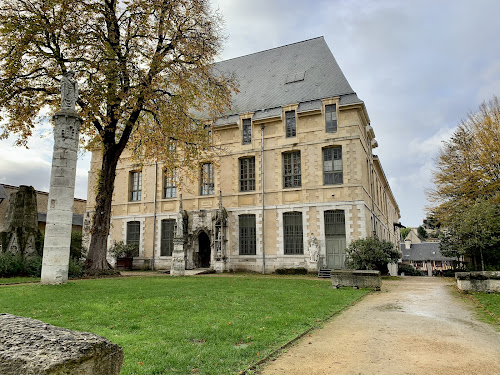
(356,279)
(29,346)
(478,281)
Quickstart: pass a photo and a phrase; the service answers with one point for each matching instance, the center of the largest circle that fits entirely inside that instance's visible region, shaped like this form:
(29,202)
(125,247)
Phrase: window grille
(135,186)
(167,237)
(247,174)
(291,130)
(247,235)
(134,233)
(334,223)
(247,131)
(169,183)
(292,232)
(291,170)
(207,179)
(332,166)
(331,118)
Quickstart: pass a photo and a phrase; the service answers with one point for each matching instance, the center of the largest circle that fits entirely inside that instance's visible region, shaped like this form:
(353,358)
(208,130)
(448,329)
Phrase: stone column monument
(62,186)
(179,254)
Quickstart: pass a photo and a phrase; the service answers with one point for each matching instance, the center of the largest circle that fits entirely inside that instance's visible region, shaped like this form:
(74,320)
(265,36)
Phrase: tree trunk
(96,259)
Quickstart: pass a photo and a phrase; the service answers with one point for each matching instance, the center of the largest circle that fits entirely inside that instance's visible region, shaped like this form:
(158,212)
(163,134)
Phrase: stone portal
(204,250)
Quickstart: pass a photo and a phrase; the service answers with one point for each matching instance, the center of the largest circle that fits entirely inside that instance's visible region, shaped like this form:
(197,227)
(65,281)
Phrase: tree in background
(422,233)
(468,165)
(144,70)
(371,254)
(475,233)
(403,232)
(467,193)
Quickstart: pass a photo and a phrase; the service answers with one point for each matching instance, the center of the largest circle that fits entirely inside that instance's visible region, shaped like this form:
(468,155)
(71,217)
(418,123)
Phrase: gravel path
(413,326)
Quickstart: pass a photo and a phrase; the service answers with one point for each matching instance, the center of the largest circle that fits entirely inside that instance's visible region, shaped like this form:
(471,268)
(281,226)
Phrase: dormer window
(291,130)
(331,118)
(247,131)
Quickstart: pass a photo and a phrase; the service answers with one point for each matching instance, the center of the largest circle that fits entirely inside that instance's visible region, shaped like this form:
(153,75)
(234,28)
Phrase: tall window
(207,179)
(169,183)
(167,237)
(247,235)
(291,130)
(331,118)
(247,174)
(135,185)
(292,233)
(247,131)
(332,165)
(291,169)
(134,234)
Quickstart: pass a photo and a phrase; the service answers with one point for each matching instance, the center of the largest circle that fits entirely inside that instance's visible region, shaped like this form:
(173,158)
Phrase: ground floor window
(292,233)
(134,234)
(167,237)
(247,235)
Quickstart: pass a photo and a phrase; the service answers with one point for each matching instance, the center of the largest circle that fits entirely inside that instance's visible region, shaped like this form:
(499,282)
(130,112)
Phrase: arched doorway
(203,250)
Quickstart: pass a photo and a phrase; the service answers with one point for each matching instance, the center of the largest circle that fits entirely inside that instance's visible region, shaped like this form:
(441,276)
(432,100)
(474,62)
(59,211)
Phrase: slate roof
(423,251)
(302,72)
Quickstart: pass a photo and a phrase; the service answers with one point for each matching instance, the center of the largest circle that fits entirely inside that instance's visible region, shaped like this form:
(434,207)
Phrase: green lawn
(201,324)
(18,280)
(489,305)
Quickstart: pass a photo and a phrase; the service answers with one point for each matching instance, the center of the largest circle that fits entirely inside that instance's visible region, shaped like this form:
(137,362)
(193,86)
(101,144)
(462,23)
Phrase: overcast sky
(420,66)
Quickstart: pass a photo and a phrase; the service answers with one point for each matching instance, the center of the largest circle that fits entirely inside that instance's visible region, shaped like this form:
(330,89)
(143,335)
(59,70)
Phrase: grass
(18,280)
(488,305)
(203,325)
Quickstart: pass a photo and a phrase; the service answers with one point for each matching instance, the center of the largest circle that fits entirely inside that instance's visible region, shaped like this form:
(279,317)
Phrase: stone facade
(359,201)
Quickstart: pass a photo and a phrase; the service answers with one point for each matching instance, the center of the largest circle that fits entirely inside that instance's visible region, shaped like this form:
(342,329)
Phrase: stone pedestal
(61,197)
(178,258)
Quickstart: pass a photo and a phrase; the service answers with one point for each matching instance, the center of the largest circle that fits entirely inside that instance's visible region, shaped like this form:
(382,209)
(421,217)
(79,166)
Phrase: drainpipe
(154,217)
(263,207)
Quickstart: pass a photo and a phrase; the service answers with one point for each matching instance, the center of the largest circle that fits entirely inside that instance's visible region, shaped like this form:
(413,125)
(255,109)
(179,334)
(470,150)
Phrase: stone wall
(358,279)
(479,281)
(29,346)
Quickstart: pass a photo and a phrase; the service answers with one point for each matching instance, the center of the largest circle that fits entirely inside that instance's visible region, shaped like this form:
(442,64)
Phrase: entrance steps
(324,273)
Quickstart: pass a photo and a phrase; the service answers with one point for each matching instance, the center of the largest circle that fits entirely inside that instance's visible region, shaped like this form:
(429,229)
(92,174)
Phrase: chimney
(407,243)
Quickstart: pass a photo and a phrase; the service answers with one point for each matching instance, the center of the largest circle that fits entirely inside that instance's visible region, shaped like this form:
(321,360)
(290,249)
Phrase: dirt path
(413,326)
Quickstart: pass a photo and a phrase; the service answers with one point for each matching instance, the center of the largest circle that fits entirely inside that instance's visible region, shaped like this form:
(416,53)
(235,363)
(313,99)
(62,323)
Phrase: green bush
(291,271)
(122,250)
(33,266)
(408,270)
(10,265)
(14,265)
(371,254)
(75,269)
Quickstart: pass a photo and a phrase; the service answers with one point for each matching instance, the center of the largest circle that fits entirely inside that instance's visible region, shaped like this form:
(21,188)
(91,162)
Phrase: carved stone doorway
(203,251)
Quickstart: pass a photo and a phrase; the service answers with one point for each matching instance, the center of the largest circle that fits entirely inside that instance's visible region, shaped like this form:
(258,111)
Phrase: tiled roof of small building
(423,251)
(302,72)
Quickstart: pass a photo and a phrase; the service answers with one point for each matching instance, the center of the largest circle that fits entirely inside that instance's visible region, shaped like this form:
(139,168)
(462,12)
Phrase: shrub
(371,254)
(122,250)
(33,266)
(75,269)
(408,270)
(10,265)
(291,271)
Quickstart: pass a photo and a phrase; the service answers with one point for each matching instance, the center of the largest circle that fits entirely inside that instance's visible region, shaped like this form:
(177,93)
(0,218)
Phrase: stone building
(298,180)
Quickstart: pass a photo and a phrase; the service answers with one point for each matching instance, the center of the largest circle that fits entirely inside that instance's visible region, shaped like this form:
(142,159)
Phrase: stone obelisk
(62,186)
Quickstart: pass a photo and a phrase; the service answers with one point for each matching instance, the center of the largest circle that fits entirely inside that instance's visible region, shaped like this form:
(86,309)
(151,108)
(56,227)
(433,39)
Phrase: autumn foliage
(145,74)
(467,193)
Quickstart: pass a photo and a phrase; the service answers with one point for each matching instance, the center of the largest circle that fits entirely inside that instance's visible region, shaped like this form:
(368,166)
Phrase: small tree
(422,233)
(371,254)
(403,232)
